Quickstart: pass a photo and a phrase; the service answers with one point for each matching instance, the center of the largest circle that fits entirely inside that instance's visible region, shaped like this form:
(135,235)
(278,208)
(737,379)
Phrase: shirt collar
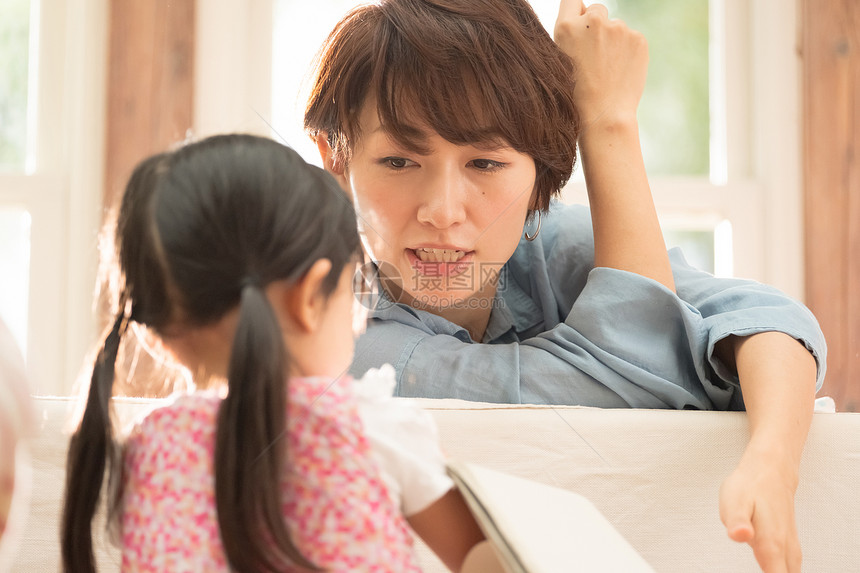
(512,309)
(521,308)
(386,309)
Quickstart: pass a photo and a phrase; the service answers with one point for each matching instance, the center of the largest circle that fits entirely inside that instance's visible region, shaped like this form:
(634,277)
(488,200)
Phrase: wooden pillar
(150,95)
(150,83)
(831,110)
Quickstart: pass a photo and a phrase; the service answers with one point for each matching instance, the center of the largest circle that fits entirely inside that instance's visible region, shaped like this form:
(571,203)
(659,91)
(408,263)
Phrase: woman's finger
(598,9)
(569,9)
(736,512)
(794,555)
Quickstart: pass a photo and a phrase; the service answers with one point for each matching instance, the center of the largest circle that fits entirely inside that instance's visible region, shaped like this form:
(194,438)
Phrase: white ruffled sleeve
(404,442)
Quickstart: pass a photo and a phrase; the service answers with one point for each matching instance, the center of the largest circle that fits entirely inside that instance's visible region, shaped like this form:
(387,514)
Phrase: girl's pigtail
(92,449)
(250,446)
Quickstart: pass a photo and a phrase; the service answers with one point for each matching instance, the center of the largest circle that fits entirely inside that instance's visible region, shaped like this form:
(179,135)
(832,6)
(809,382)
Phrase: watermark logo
(430,288)
(367,284)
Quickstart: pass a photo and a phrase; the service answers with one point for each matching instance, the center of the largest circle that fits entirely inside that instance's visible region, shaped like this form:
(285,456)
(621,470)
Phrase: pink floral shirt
(340,514)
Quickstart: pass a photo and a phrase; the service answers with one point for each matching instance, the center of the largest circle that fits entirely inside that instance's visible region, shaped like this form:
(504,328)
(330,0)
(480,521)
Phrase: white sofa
(654,474)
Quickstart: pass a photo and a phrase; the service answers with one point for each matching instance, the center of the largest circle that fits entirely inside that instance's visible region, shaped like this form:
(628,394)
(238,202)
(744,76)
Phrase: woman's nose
(444,202)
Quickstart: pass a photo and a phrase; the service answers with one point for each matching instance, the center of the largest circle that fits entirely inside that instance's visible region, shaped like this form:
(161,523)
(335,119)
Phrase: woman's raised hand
(610,62)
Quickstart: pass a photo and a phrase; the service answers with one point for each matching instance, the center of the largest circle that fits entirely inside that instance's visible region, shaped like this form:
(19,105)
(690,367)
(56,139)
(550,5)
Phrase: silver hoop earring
(537,232)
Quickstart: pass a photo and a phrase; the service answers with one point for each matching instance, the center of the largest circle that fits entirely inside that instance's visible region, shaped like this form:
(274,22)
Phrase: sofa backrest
(654,474)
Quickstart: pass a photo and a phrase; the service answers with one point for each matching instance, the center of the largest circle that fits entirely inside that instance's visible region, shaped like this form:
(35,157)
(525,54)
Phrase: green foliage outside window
(674,113)
(14,58)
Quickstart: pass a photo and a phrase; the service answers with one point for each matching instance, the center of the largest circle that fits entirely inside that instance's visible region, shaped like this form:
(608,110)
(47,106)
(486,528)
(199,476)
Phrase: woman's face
(445,221)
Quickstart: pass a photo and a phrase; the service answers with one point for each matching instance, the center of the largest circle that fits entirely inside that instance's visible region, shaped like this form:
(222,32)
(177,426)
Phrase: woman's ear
(304,301)
(329,160)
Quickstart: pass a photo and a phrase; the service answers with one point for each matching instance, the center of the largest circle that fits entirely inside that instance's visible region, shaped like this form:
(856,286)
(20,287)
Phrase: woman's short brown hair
(474,71)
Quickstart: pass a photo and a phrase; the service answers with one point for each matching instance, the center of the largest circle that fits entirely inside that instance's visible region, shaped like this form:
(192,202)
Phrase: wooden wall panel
(150,83)
(831,93)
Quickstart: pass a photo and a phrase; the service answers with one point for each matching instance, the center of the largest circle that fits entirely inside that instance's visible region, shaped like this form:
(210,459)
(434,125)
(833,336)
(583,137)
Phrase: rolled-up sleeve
(742,308)
(635,337)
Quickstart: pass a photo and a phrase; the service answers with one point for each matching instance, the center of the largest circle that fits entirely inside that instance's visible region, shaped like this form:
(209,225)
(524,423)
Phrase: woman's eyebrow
(492,143)
(417,147)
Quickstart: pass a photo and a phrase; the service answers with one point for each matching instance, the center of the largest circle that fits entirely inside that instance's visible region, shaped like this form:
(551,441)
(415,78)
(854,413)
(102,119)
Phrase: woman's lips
(431,269)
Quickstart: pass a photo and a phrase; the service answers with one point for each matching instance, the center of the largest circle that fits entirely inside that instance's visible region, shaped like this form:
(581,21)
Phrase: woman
(452,123)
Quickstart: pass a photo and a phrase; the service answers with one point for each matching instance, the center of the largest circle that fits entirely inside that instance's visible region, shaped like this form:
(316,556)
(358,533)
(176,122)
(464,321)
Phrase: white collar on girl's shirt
(377,383)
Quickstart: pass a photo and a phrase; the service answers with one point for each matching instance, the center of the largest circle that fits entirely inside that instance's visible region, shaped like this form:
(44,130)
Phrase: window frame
(63,192)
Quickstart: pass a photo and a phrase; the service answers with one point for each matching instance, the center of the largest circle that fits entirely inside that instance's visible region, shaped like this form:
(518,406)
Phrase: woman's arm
(777,375)
(610,66)
(774,347)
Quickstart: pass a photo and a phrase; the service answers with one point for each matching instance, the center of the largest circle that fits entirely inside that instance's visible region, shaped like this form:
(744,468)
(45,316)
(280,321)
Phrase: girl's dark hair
(200,231)
(474,71)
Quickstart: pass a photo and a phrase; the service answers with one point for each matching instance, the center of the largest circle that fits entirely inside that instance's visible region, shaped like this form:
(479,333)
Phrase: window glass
(14,61)
(707,245)
(697,244)
(15,271)
(300,28)
(674,114)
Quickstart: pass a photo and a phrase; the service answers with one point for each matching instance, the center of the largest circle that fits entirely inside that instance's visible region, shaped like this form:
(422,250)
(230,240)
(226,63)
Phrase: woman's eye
(486,164)
(396,162)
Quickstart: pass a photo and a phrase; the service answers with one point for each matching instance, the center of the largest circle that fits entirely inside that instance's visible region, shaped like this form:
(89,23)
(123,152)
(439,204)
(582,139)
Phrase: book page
(536,528)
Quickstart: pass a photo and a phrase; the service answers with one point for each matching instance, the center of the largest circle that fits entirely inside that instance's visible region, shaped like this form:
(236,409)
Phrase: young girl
(453,124)
(241,257)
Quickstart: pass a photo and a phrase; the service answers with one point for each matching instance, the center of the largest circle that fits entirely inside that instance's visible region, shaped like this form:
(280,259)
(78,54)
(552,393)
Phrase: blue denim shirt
(564,332)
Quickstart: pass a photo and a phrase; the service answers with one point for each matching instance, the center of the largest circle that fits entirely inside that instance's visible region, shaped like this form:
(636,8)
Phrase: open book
(536,528)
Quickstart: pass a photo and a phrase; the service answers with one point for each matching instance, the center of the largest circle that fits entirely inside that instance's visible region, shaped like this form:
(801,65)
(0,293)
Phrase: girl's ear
(329,161)
(304,301)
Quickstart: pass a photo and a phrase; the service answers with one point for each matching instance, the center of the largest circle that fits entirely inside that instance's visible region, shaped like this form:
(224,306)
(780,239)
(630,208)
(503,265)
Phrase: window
(299,31)
(14,220)
(50,181)
(14,50)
